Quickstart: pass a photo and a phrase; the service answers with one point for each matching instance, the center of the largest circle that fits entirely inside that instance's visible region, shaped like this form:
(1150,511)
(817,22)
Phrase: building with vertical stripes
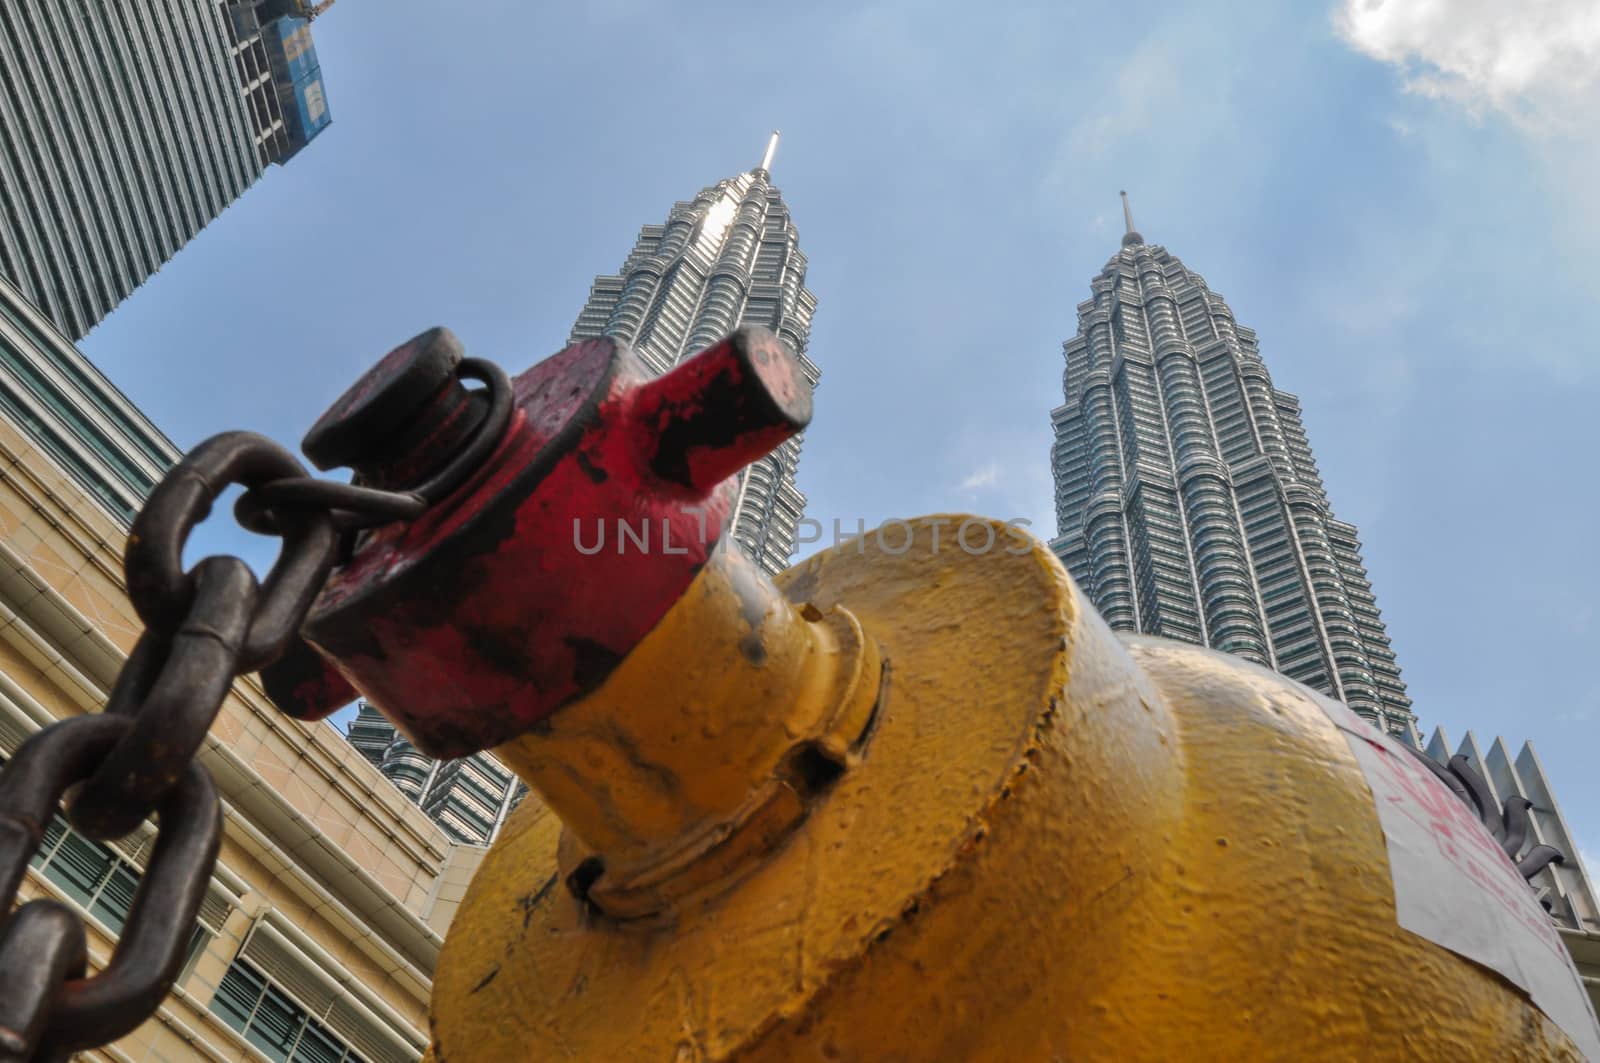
(469,798)
(729,257)
(1188,503)
(125,129)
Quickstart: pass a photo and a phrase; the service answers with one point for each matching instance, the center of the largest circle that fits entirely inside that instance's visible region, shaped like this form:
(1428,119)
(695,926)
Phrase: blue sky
(1396,197)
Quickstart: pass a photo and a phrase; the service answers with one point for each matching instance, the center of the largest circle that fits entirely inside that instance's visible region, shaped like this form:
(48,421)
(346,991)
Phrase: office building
(1188,503)
(729,257)
(469,798)
(125,129)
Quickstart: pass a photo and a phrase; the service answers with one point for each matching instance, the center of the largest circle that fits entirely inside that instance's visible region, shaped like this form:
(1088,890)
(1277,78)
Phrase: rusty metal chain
(354,506)
(204,628)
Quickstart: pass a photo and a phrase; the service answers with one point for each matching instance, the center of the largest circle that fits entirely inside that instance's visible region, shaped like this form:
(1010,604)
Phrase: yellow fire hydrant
(910,801)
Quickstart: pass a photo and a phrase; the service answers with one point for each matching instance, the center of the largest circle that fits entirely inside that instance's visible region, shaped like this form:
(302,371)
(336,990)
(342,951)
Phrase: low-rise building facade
(329,902)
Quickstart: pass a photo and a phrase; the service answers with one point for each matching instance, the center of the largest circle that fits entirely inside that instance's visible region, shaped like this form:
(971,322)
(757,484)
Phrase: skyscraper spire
(1131,237)
(669,315)
(1188,503)
(772,149)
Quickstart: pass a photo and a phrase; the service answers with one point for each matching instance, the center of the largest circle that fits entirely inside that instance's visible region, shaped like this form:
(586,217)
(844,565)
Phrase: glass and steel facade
(1188,503)
(125,129)
(468,798)
(73,413)
(274,1023)
(729,257)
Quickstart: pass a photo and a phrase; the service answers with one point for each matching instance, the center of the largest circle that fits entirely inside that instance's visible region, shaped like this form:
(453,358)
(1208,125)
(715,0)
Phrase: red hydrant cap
(487,614)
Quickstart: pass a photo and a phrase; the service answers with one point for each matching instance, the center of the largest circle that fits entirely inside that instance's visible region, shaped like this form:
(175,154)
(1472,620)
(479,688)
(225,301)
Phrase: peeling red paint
(474,622)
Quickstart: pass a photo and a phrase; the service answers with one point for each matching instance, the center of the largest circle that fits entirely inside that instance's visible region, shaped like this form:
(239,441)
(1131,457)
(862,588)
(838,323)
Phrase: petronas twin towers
(729,257)
(1188,504)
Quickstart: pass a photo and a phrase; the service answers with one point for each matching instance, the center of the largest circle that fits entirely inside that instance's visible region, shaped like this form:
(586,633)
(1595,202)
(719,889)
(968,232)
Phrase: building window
(96,879)
(101,881)
(272,1022)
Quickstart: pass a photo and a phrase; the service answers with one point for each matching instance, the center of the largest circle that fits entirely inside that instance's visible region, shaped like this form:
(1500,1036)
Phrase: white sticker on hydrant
(1455,886)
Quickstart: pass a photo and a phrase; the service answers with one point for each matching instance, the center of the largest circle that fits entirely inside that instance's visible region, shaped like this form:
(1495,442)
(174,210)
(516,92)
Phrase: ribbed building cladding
(1188,503)
(729,257)
(126,128)
(468,798)
(70,412)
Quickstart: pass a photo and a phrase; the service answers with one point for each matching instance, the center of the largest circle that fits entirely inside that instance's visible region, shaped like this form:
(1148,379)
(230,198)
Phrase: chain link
(203,629)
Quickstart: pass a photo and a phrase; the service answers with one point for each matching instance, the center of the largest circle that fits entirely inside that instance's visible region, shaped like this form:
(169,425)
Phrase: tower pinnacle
(1170,413)
(772,149)
(667,316)
(1130,238)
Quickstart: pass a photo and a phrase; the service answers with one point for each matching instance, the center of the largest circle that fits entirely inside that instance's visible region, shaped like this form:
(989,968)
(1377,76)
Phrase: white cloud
(1172,103)
(1534,62)
(1142,91)
(1006,471)
(1537,61)
(1374,306)
(987,476)
(1181,59)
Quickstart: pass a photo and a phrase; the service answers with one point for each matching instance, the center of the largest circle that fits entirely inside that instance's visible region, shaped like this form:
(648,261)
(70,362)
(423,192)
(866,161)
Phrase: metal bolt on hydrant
(909,803)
